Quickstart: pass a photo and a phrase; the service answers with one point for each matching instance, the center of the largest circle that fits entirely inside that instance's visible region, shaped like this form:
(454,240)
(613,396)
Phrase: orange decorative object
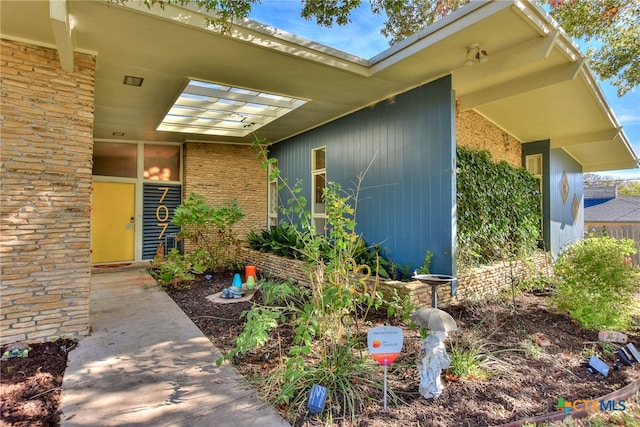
(250,270)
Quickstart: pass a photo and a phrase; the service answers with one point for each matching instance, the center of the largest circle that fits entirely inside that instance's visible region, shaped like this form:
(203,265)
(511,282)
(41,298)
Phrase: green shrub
(260,320)
(425,268)
(282,240)
(209,229)
(212,243)
(287,241)
(468,361)
(595,284)
(348,374)
(172,270)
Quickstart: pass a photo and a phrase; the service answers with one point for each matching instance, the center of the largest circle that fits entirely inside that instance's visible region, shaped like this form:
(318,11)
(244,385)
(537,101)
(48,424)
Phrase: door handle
(132,220)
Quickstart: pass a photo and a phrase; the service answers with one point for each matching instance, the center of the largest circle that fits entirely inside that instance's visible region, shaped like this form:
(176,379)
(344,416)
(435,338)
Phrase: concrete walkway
(147,364)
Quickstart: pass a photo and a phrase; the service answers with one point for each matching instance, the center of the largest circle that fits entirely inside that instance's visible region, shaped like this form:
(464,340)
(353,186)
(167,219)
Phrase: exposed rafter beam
(586,138)
(522,55)
(62,32)
(521,85)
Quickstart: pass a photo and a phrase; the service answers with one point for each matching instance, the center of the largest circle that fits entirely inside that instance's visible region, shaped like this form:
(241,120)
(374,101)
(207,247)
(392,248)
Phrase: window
(534,165)
(319,182)
(161,162)
(272,208)
(115,159)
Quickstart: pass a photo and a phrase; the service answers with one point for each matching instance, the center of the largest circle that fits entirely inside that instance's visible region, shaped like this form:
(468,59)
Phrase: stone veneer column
(45,193)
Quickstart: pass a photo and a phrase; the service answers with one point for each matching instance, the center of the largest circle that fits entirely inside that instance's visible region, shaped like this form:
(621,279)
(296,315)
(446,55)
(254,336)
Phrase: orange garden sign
(385,344)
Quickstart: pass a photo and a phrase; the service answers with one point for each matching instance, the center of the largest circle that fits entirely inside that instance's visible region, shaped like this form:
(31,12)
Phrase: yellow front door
(112,222)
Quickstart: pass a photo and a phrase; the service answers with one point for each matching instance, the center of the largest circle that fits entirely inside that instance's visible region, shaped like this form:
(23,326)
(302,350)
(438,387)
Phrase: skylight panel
(215,109)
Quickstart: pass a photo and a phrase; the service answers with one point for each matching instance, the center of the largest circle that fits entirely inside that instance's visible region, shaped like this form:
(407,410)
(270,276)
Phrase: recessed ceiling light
(118,134)
(133,81)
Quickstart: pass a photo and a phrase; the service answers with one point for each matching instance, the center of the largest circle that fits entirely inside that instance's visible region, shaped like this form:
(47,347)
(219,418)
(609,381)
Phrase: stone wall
(270,265)
(474,284)
(223,172)
(475,132)
(45,193)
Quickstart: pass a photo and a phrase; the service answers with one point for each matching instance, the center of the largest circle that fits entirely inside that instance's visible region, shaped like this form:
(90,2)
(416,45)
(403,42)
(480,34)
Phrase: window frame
(318,217)
(272,197)
(535,161)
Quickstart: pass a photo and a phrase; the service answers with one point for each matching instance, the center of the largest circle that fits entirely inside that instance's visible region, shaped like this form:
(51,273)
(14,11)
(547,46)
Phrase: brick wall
(475,132)
(45,193)
(223,172)
(477,283)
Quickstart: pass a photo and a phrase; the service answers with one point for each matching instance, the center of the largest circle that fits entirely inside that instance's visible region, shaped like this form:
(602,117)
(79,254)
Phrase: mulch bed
(30,389)
(522,384)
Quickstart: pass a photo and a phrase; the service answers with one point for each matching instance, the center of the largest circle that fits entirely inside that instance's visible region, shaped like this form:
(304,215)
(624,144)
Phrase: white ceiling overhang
(535,84)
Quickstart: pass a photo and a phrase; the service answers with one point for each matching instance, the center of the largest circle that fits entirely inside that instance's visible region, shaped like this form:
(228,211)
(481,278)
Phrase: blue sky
(362,38)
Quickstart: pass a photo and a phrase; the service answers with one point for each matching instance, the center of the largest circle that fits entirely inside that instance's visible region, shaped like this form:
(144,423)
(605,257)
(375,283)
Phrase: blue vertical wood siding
(565,229)
(560,228)
(407,198)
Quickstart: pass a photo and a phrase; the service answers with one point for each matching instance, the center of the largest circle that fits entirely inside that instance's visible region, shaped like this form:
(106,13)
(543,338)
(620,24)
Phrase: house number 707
(162,212)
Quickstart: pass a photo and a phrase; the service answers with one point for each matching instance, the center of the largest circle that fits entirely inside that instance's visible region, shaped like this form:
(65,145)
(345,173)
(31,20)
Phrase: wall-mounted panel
(566,201)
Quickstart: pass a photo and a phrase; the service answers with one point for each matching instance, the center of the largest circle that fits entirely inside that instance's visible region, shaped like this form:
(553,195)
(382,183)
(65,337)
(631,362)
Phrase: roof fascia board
(438,31)
(62,32)
(253,32)
(535,16)
(597,93)
(540,19)
(521,85)
(544,23)
(610,166)
(590,80)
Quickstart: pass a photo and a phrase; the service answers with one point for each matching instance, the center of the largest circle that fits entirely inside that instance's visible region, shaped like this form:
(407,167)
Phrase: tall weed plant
(328,348)
(596,283)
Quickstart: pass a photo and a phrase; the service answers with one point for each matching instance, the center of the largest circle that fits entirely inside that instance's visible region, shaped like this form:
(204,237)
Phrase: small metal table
(435,280)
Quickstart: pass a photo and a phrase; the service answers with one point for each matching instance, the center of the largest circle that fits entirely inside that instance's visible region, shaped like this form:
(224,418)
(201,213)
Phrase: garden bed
(524,385)
(31,386)
(522,382)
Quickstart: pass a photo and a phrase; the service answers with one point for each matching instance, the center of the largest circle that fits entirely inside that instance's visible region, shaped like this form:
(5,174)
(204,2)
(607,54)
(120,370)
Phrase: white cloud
(629,117)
